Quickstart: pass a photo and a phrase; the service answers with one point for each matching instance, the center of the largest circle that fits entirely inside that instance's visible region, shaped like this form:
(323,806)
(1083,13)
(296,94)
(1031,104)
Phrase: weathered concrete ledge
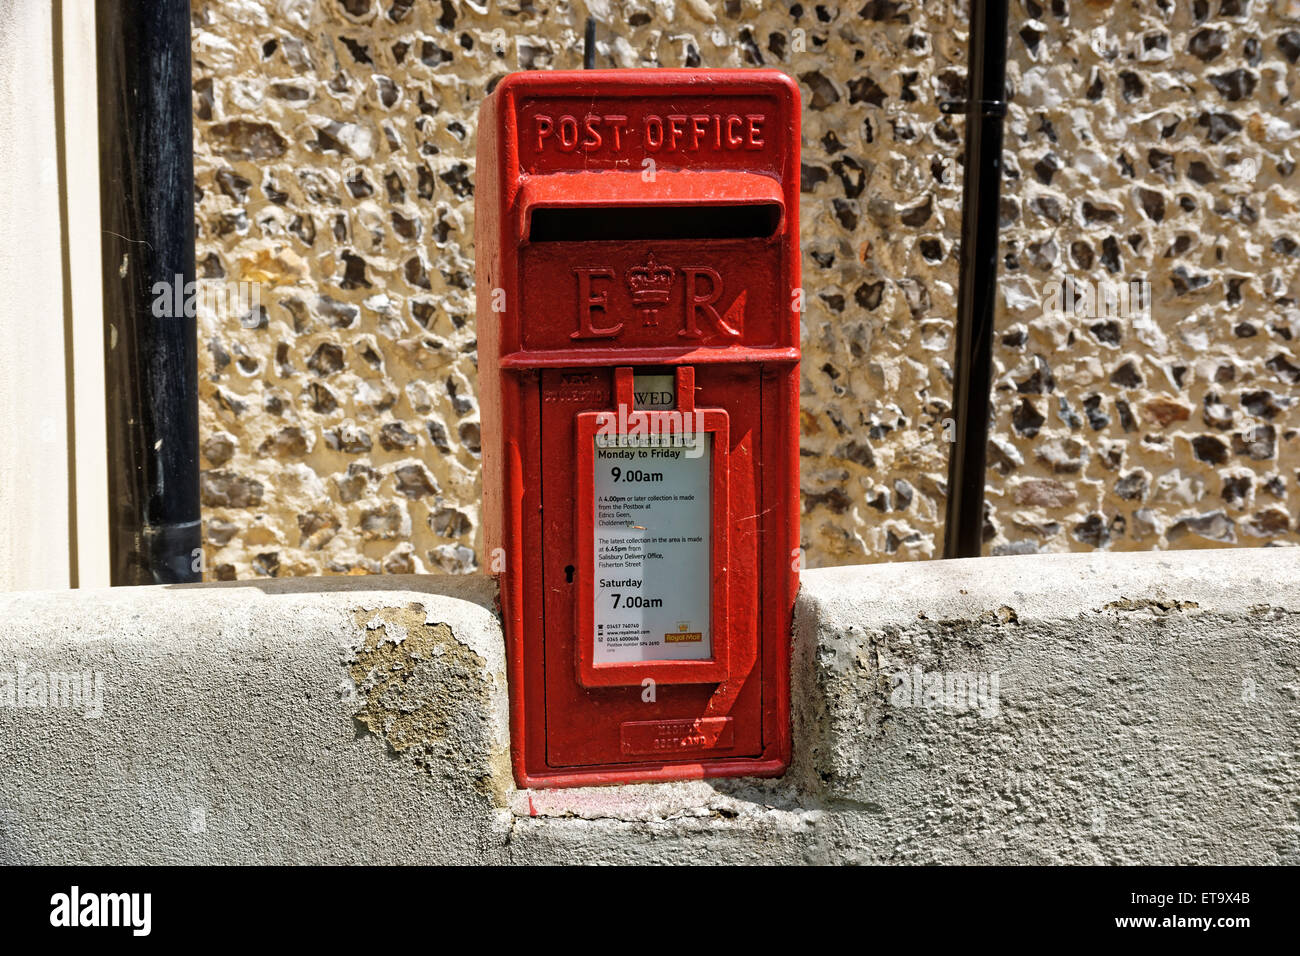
(1117,708)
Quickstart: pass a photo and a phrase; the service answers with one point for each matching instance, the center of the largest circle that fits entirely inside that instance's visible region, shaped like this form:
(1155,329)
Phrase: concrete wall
(1148,141)
(1140,708)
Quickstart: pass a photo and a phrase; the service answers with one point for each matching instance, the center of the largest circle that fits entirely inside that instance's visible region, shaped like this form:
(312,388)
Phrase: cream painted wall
(85,293)
(51,444)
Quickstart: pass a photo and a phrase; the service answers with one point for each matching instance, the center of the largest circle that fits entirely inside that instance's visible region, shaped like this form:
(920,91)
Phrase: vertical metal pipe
(977,290)
(147,218)
(589,45)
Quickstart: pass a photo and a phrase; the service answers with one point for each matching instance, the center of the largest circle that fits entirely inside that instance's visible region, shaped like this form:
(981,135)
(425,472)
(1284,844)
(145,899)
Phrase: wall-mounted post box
(638,341)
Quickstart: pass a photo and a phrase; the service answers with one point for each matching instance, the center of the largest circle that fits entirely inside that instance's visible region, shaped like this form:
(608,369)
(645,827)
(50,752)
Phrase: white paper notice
(653,536)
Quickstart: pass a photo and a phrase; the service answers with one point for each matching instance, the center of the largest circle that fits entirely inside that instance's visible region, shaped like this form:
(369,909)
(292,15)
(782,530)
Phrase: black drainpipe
(146,182)
(589,45)
(977,290)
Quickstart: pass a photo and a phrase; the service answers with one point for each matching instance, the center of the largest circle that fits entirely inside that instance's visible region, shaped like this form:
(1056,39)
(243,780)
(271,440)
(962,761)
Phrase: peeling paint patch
(1004,615)
(1156,607)
(414,684)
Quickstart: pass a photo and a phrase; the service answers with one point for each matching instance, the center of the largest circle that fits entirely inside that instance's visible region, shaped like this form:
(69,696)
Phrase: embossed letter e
(589,303)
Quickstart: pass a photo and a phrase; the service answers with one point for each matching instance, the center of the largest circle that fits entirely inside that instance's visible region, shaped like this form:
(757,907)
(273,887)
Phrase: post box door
(679,721)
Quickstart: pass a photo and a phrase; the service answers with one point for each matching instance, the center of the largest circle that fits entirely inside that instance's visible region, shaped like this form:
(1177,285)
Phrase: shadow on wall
(474,588)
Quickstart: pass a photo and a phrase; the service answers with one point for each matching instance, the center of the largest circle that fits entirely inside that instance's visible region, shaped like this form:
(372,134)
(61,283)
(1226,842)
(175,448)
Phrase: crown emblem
(649,285)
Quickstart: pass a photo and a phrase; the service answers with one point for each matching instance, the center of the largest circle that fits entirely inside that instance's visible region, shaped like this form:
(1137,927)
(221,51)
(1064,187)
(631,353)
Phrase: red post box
(638,340)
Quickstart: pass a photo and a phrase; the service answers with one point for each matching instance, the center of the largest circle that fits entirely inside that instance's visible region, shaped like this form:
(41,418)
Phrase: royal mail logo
(649,288)
(685,637)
